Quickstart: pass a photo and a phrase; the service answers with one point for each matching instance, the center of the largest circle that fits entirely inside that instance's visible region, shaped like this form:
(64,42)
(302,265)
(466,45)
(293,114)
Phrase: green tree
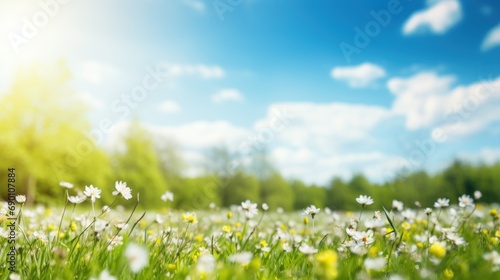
(44,127)
(275,191)
(307,195)
(238,188)
(196,193)
(338,194)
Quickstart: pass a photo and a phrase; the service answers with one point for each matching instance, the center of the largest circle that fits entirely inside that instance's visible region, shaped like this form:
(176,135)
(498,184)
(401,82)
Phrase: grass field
(450,240)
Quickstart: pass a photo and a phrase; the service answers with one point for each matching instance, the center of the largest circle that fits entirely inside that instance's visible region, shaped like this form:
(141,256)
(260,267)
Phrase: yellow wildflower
(438,250)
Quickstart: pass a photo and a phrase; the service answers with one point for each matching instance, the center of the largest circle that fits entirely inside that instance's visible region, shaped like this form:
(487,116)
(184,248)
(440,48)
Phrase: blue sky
(227,74)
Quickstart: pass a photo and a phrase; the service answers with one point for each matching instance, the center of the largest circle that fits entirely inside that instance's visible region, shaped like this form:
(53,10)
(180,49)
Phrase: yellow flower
(448,273)
(406,226)
(306,220)
(494,213)
(237,225)
(373,251)
(171,267)
(283,226)
(326,258)
(51,227)
(263,243)
(190,218)
(226,229)
(73,226)
(438,250)
(199,238)
(494,240)
(229,214)
(327,264)
(497,233)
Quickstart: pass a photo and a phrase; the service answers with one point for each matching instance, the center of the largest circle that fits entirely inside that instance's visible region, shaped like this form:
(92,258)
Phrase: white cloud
(492,39)
(419,98)
(438,18)
(197,70)
(203,134)
(486,155)
(359,76)
(95,72)
(427,100)
(322,125)
(318,167)
(227,95)
(195,5)
(170,107)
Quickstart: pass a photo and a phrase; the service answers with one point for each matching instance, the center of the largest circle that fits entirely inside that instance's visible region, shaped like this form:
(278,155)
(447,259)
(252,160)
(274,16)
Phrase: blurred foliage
(44,135)
(136,163)
(43,126)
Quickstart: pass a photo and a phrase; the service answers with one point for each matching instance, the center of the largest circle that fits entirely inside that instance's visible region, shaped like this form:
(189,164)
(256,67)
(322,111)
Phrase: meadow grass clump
(250,242)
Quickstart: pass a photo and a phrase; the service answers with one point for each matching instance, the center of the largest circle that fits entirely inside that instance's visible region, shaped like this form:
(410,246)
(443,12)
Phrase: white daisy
(364,237)
(92,192)
(477,195)
(20,198)
(206,263)
(249,208)
(308,250)
(242,258)
(167,196)
(465,201)
(441,203)
(311,210)
(375,263)
(398,205)
(121,188)
(77,199)
(265,207)
(137,257)
(364,200)
(66,185)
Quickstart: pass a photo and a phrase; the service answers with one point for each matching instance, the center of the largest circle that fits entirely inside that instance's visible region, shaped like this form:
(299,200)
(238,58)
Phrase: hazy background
(285,102)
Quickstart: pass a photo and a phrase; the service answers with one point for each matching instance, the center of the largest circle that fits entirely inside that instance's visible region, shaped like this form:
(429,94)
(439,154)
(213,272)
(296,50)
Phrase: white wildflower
(167,196)
(242,258)
(364,200)
(121,188)
(92,192)
(66,185)
(137,257)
